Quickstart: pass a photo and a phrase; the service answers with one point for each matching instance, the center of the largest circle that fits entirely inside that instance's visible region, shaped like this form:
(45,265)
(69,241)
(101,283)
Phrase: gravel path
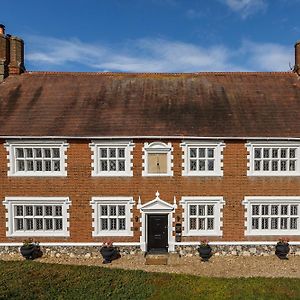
(226,266)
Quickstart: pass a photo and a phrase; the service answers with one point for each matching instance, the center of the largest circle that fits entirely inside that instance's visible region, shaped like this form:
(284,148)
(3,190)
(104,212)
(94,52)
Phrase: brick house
(150,160)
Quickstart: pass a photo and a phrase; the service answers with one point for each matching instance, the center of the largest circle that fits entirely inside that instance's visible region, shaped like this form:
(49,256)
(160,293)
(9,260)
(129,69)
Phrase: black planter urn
(282,250)
(31,251)
(109,254)
(205,252)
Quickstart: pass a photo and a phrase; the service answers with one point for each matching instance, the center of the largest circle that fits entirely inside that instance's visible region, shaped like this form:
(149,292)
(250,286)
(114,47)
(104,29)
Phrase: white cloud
(155,55)
(246,7)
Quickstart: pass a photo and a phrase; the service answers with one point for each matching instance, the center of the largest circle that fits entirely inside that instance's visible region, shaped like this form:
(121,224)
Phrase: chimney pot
(297,58)
(2,29)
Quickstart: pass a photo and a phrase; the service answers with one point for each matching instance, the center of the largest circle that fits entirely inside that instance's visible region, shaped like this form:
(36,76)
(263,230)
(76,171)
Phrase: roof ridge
(156,73)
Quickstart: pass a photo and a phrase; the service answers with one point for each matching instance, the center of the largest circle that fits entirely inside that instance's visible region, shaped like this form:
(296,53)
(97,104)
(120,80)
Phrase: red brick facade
(80,186)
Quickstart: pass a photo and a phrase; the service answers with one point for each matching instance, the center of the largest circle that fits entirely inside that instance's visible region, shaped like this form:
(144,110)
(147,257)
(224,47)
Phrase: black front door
(157,233)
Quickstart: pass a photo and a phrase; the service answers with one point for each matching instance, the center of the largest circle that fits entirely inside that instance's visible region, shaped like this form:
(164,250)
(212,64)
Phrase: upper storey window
(273,159)
(111,158)
(202,158)
(37,158)
(157,159)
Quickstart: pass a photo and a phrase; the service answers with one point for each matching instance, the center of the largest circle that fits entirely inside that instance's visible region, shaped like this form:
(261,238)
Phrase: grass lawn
(33,280)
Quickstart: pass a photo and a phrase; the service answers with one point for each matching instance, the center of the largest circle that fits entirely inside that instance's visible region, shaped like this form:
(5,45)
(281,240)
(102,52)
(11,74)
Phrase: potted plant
(205,250)
(282,248)
(31,249)
(109,252)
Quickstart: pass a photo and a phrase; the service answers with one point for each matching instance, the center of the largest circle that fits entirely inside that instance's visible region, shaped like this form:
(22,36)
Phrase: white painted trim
(217,201)
(10,146)
(127,201)
(250,145)
(157,206)
(234,243)
(157,147)
(127,144)
(73,244)
(218,147)
(10,201)
(249,200)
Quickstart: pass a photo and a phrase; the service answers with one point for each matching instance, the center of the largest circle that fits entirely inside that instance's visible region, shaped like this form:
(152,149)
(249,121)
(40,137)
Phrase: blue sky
(155,35)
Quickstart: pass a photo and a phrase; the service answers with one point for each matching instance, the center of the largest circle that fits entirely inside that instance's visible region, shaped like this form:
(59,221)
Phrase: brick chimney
(297,58)
(11,54)
(4,53)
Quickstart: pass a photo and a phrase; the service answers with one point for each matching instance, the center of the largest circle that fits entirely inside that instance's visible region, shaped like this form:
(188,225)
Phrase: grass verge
(34,280)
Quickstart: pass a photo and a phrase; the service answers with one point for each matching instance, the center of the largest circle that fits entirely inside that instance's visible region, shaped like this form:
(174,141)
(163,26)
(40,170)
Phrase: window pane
(112,165)
(284,209)
(257,165)
(122,224)
(293,224)
(255,209)
(292,165)
(20,165)
(275,153)
(121,152)
(19,210)
(38,165)
(201,165)
(292,153)
(39,224)
(121,165)
(29,224)
(266,153)
(264,223)
(210,165)
(19,152)
(193,225)
(39,210)
(29,152)
(103,210)
(201,210)
(274,210)
(210,152)
(112,152)
(113,224)
(48,210)
(210,210)
(56,165)
(104,224)
(47,165)
(275,165)
(38,152)
(193,165)
(55,152)
(201,224)
(28,210)
(103,152)
(48,224)
(121,209)
(193,210)
(265,209)
(29,164)
(274,223)
(58,224)
(283,165)
(19,224)
(47,152)
(257,153)
(266,164)
(210,224)
(283,153)
(103,165)
(283,223)
(58,210)
(201,152)
(112,210)
(193,152)
(294,210)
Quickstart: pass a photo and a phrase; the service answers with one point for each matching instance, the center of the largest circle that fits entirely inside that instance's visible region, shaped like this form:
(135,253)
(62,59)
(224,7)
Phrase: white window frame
(10,202)
(96,202)
(95,145)
(269,200)
(218,203)
(12,145)
(218,147)
(158,148)
(251,145)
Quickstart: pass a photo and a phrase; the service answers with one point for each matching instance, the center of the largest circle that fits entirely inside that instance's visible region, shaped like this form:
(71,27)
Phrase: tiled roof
(217,104)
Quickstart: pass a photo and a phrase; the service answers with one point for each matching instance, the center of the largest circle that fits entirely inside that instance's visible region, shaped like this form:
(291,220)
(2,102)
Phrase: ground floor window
(272,215)
(37,216)
(202,215)
(112,216)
